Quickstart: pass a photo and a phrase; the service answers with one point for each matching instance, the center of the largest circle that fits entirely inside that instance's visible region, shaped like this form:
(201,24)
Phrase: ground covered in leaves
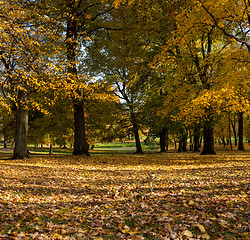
(149,196)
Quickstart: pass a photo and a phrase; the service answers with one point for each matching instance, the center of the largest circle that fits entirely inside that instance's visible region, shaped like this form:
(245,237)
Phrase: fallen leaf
(191,202)
(223,222)
(201,227)
(188,233)
(205,236)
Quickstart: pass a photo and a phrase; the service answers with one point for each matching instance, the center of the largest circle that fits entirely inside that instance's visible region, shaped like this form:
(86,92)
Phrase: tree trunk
(224,142)
(180,146)
(200,141)
(208,147)
(240,131)
(163,135)
(184,142)
(167,141)
(81,146)
(175,143)
(20,150)
(50,149)
(229,131)
(137,142)
(196,138)
(136,132)
(234,132)
(5,139)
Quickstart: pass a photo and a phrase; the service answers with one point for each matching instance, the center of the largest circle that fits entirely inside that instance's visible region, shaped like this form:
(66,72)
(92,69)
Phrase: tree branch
(222,29)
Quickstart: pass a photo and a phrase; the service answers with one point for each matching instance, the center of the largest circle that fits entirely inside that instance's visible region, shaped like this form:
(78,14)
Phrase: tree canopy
(158,68)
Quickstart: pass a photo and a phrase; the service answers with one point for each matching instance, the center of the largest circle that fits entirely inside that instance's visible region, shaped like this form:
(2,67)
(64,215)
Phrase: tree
(240,131)
(113,56)
(201,55)
(55,126)
(80,22)
(21,63)
(232,18)
(7,124)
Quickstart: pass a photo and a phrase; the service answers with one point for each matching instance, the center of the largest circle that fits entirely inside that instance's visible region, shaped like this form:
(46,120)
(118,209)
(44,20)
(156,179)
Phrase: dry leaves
(154,196)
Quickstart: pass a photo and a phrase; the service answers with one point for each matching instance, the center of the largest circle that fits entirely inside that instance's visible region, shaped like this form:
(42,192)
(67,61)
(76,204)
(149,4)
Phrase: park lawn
(148,196)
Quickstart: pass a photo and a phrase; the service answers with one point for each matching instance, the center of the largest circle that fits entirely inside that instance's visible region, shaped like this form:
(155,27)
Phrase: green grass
(99,148)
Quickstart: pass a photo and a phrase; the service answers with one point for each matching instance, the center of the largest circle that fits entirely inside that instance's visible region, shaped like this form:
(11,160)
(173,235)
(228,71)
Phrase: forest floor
(129,196)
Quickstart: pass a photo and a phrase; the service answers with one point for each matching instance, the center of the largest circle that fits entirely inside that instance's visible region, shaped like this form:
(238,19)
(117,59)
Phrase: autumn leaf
(60,197)
(201,228)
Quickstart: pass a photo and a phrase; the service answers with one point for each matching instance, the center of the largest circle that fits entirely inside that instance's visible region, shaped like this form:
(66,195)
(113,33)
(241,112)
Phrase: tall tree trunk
(229,131)
(5,145)
(50,149)
(233,123)
(240,131)
(223,141)
(81,146)
(20,150)
(175,143)
(163,135)
(208,136)
(180,146)
(184,142)
(137,142)
(200,141)
(167,140)
(136,132)
(196,138)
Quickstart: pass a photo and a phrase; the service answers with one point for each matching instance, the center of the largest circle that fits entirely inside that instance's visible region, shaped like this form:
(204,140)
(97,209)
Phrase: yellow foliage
(208,66)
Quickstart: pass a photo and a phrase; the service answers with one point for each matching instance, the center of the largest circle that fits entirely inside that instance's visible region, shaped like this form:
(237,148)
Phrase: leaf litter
(150,196)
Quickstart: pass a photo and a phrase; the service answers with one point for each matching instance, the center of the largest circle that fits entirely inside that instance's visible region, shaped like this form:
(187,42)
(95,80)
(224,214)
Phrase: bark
(81,146)
(175,143)
(208,135)
(184,142)
(224,142)
(229,131)
(163,138)
(234,132)
(20,150)
(200,141)
(196,147)
(5,145)
(167,141)
(240,131)
(180,146)
(137,142)
(50,149)
(136,132)
(191,145)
